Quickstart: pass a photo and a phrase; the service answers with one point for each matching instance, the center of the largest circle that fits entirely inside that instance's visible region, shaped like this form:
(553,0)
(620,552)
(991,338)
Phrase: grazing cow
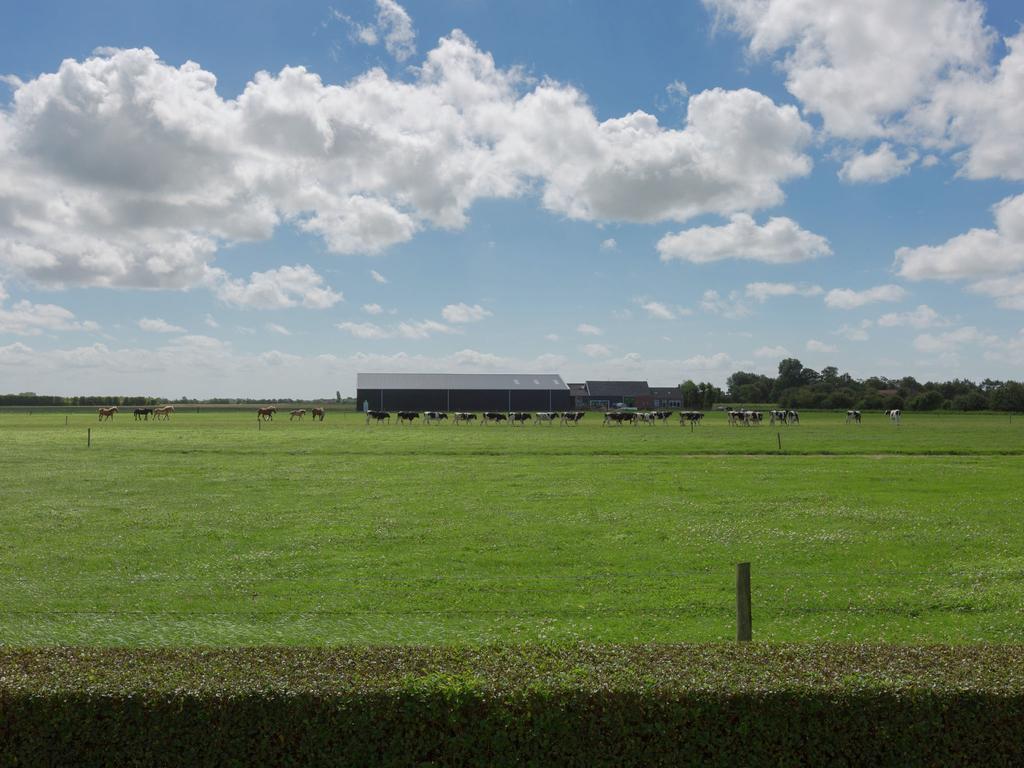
(267,414)
(548,416)
(378,416)
(317,414)
(693,417)
(663,416)
(106,413)
(620,418)
(572,417)
(777,415)
(894,415)
(647,418)
(461,416)
(298,413)
(429,417)
(792,417)
(519,417)
(407,416)
(853,416)
(142,414)
(495,416)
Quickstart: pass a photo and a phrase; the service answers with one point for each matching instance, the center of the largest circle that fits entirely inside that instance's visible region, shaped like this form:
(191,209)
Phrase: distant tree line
(800,387)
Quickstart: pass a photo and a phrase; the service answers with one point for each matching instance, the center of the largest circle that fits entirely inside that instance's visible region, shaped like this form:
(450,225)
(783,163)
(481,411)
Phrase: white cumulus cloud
(779,241)
(279,288)
(761,292)
(876,167)
(124,170)
(992,260)
(922,316)
(159,325)
(847,298)
(24,318)
(588,330)
(464,313)
(813,345)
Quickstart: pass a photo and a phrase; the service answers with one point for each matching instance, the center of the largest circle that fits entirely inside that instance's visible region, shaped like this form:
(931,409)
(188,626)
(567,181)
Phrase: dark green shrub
(582,705)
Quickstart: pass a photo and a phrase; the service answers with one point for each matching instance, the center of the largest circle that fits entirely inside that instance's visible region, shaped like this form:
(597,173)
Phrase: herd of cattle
(611,418)
(537,417)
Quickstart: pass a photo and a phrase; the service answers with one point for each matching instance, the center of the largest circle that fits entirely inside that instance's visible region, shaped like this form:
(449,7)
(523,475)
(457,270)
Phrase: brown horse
(163,412)
(106,413)
(267,414)
(318,413)
(298,413)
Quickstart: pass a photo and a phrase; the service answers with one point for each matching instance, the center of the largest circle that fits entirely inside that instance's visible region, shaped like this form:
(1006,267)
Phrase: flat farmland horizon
(210,530)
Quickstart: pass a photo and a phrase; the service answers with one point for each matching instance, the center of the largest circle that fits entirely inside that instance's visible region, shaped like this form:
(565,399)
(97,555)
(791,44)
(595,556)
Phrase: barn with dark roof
(462,392)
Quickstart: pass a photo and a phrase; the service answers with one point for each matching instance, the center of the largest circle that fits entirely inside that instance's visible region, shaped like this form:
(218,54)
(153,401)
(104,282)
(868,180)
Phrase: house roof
(577,390)
(617,388)
(459,381)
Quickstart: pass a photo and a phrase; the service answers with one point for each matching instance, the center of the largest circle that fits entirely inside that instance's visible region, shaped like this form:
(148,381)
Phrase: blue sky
(265,198)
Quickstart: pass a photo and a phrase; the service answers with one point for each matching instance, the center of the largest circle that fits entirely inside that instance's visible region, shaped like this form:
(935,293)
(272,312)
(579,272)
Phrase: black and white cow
(461,416)
(378,416)
(572,417)
(853,416)
(408,416)
(616,417)
(493,416)
(687,417)
(894,415)
(546,416)
(518,417)
(430,417)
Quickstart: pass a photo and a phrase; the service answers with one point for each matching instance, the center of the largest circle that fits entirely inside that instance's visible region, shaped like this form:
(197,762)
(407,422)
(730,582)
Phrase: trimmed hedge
(647,705)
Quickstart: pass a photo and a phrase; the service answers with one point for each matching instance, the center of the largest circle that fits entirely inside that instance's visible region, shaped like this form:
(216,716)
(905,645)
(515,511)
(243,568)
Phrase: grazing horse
(106,413)
(853,416)
(378,416)
(143,414)
(298,413)
(163,412)
(267,414)
(317,413)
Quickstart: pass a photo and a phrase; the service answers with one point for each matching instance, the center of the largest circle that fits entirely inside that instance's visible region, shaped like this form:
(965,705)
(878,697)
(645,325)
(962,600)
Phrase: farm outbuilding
(462,392)
(608,394)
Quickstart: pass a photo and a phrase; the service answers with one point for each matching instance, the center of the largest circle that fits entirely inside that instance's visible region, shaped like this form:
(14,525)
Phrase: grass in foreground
(207,531)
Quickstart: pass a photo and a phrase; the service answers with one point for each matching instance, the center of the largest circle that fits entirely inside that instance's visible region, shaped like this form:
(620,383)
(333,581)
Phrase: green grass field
(205,531)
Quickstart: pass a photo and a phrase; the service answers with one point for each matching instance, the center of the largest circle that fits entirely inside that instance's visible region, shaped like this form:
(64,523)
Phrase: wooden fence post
(779,436)
(743,619)
(88,437)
